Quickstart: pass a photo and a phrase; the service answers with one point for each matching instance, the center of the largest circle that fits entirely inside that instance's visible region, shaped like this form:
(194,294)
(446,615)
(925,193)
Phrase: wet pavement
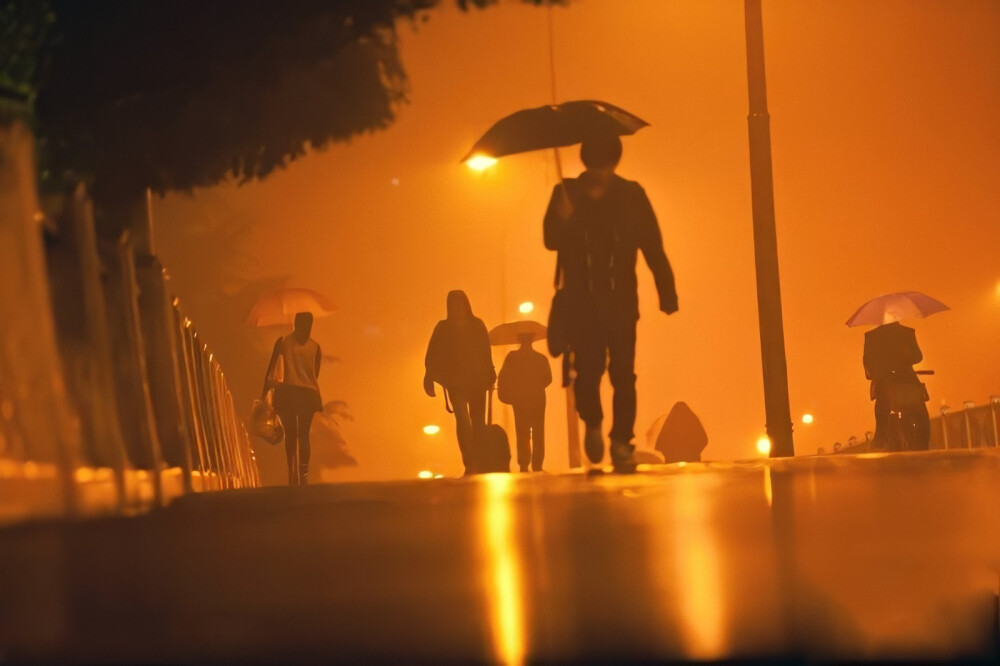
(867,556)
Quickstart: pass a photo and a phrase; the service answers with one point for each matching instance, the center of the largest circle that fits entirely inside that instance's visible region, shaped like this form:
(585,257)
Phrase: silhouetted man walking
(523,377)
(597,233)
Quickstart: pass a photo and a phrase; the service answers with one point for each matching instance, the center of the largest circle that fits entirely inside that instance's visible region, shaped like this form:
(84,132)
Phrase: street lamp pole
(772,337)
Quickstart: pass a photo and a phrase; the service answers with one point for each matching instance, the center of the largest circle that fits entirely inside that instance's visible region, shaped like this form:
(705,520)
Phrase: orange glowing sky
(886,152)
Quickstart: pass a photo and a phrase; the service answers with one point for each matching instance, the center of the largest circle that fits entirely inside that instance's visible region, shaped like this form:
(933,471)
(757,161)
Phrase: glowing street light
(764,446)
(526,307)
(432,429)
(807,418)
(480,162)
(425,474)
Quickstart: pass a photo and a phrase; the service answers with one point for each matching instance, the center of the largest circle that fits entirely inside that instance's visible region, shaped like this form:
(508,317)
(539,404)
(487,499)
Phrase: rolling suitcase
(494,450)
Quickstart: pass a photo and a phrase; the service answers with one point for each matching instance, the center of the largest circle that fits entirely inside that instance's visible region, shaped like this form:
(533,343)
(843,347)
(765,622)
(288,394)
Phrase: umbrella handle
(562,180)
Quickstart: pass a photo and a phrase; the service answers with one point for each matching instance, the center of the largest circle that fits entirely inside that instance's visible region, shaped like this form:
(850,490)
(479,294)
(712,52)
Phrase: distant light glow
(394,181)
(807,418)
(425,474)
(432,429)
(764,445)
(526,307)
(480,162)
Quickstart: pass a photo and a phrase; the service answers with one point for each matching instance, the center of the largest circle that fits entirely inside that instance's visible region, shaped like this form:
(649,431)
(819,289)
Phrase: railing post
(967,422)
(994,406)
(944,425)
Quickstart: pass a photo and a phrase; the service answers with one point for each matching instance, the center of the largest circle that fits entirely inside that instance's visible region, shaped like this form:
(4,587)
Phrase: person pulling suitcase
(459,359)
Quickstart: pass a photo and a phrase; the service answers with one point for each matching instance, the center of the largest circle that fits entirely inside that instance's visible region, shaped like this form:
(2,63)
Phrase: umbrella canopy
(895,307)
(511,332)
(679,435)
(554,126)
(280,307)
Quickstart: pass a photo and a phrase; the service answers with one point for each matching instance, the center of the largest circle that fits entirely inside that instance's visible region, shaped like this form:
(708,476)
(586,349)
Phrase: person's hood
(459,307)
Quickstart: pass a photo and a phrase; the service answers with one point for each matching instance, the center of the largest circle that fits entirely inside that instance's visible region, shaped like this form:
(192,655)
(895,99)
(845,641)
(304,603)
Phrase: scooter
(909,426)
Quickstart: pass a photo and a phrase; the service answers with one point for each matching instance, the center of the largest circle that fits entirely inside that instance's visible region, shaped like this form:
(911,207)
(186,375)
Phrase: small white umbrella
(511,332)
(888,308)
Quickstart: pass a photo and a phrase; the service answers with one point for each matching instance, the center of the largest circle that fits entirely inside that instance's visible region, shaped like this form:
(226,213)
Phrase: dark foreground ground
(867,556)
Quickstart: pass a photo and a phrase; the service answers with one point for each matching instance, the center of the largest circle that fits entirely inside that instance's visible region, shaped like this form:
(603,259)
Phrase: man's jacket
(458,355)
(891,351)
(523,377)
(597,245)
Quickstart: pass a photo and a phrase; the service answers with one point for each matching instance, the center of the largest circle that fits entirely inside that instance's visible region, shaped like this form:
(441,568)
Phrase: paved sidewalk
(838,556)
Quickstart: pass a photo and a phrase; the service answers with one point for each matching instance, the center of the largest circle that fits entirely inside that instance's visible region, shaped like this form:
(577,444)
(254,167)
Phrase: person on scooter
(891,351)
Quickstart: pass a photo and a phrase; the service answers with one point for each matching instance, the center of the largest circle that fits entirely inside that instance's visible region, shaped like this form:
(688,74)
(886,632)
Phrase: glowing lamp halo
(480,162)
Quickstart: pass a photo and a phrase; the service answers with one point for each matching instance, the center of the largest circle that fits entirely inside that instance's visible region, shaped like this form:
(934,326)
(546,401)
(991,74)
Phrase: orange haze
(886,167)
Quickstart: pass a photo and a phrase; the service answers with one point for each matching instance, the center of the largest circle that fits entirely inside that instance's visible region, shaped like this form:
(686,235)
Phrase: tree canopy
(177,94)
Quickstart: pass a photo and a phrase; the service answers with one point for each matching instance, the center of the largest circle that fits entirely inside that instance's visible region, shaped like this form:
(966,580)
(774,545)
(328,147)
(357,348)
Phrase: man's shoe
(593,444)
(623,456)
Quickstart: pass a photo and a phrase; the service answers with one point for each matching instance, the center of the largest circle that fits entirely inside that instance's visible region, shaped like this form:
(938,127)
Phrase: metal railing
(972,427)
(109,399)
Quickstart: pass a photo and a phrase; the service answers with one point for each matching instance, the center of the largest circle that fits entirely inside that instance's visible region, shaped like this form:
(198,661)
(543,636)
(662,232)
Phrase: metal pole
(772,338)
(572,418)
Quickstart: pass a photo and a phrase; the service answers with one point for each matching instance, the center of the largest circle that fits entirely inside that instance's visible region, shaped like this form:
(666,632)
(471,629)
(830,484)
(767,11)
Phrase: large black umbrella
(554,126)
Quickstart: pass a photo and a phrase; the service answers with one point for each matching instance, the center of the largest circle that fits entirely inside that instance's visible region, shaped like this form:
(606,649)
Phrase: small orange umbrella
(280,307)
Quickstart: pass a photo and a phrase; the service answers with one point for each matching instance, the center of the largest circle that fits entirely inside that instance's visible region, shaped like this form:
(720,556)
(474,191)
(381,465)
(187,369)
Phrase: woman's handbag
(264,421)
